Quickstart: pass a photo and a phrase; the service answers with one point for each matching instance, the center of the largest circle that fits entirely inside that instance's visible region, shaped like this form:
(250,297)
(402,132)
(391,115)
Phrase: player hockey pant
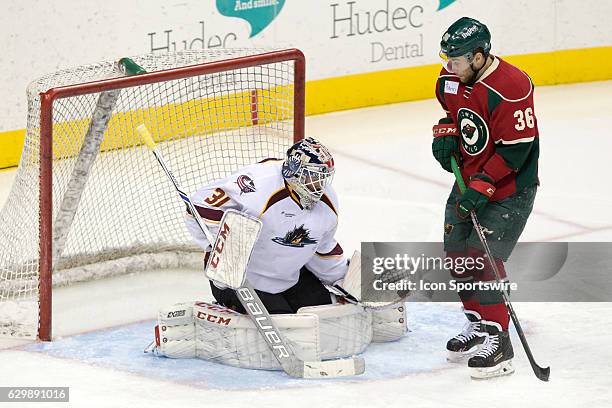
(308,291)
(503,222)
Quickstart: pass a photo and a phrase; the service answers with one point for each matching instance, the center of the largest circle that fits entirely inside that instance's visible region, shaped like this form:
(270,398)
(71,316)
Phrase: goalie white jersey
(291,236)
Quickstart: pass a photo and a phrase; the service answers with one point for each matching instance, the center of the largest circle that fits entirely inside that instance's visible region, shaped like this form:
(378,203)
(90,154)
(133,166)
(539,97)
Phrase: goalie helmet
(308,169)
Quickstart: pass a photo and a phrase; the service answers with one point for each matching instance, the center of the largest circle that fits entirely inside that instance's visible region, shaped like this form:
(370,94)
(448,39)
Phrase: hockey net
(89,200)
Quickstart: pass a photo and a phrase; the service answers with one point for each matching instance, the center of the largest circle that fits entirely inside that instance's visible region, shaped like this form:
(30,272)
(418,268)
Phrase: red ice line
(583,228)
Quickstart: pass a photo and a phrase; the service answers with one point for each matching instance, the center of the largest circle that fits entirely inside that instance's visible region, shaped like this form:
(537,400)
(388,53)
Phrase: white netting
(207,126)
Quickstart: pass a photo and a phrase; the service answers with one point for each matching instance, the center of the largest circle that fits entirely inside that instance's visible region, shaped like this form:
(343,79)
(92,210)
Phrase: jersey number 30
(524,119)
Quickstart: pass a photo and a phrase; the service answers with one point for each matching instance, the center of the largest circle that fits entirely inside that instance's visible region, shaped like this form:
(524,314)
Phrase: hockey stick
(85,160)
(541,372)
(340,291)
(251,302)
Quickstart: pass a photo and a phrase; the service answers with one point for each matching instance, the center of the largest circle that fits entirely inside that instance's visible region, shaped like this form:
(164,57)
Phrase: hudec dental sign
(369,19)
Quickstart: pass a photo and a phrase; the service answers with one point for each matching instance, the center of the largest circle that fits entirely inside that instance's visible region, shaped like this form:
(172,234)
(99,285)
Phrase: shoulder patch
(245,184)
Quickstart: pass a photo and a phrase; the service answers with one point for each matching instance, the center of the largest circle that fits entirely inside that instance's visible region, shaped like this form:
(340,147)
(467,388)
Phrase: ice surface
(122,348)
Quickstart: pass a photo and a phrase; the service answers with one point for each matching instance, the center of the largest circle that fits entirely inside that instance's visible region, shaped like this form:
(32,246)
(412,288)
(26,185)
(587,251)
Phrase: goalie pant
(291,237)
(308,291)
(218,334)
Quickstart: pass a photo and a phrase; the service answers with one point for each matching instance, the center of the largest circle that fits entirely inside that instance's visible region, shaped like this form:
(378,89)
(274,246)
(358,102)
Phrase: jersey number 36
(524,119)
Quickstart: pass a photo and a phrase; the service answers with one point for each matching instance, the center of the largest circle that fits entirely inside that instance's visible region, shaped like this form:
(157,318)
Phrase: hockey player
(491,129)
(296,252)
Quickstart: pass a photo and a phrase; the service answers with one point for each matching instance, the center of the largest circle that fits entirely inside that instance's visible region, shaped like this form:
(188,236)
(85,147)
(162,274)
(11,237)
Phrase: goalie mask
(308,169)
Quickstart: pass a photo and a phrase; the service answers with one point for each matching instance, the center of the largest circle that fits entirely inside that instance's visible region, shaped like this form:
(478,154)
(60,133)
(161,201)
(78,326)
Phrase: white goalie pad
(233,247)
(219,334)
(215,333)
(352,280)
(175,332)
(389,324)
(231,338)
(344,330)
(350,328)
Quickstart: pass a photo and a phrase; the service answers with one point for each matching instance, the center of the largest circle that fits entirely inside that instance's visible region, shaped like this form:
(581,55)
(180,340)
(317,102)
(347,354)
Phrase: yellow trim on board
(414,83)
(566,66)
(169,122)
(11,144)
(370,89)
(374,88)
(174,121)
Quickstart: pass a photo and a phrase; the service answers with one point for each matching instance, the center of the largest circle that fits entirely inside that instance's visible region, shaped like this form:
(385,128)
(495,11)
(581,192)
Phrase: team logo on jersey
(246,184)
(299,237)
(474,131)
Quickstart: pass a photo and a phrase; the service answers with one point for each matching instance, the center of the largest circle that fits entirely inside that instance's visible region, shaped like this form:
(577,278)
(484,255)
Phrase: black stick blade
(542,372)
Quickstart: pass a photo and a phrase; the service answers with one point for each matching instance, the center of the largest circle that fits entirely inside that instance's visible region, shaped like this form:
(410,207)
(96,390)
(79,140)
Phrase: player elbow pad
(496,168)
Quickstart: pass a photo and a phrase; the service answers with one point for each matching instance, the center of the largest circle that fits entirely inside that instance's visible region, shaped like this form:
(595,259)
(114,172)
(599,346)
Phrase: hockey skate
(495,357)
(468,342)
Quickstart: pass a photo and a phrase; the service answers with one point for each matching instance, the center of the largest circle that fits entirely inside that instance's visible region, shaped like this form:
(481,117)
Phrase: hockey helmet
(463,37)
(308,169)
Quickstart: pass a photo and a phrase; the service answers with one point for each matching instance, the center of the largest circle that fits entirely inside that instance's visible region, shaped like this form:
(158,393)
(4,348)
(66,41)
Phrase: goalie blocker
(316,333)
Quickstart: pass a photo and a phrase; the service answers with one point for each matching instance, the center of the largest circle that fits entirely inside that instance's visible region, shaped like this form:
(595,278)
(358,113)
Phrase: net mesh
(128,216)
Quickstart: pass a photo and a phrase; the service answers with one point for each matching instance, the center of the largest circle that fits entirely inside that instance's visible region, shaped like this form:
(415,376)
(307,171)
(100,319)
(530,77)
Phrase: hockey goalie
(293,263)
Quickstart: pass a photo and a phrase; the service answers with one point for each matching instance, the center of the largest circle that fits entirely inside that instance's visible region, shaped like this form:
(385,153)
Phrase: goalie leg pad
(389,324)
(315,333)
(344,329)
(175,332)
(228,337)
(215,333)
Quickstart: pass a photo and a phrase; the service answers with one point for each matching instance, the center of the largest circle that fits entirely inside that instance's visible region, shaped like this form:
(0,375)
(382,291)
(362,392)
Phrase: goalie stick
(541,372)
(279,346)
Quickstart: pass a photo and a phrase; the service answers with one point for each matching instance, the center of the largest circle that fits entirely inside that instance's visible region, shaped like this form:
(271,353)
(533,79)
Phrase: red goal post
(216,113)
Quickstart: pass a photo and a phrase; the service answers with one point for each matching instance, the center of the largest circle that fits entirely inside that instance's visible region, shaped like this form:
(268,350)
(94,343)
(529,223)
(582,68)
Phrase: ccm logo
(263,322)
(213,319)
(176,313)
(220,244)
(216,308)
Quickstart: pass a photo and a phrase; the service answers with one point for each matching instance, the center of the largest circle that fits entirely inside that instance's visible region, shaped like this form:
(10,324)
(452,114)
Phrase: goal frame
(46,143)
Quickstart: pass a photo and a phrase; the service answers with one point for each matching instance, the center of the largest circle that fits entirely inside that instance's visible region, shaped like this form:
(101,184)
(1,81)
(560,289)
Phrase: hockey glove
(476,196)
(446,143)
